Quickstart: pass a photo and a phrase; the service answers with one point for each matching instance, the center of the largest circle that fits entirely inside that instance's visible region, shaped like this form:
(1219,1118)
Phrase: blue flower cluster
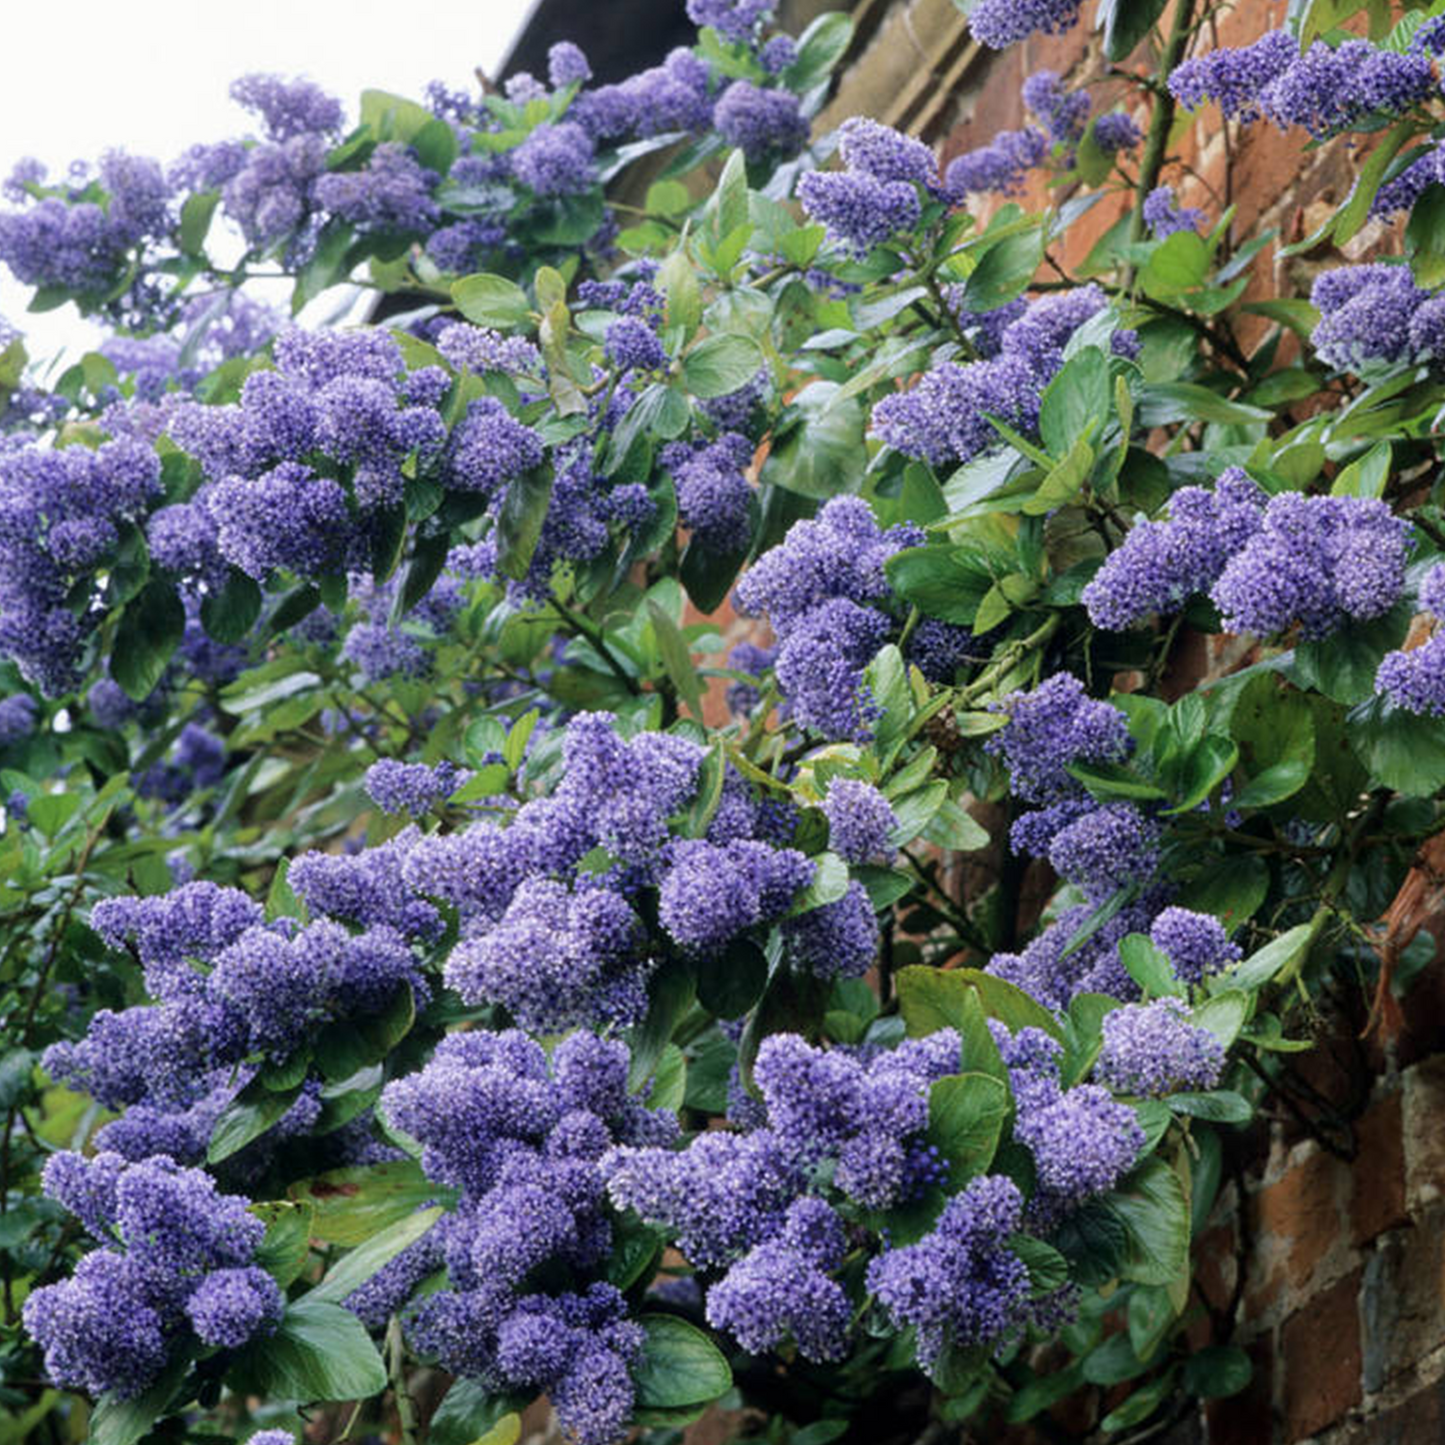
(1326,90)
(713,491)
(820,589)
(1001,23)
(62,513)
(1415,679)
(524,1142)
(1160,565)
(880,190)
(1375,314)
(1164,216)
(1083,1140)
(945,418)
(1316,561)
(174,1266)
(228,988)
(411,787)
(752,1205)
(1153,1049)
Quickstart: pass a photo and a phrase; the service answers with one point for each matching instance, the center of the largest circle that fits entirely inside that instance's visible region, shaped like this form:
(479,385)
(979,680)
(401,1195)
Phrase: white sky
(153,78)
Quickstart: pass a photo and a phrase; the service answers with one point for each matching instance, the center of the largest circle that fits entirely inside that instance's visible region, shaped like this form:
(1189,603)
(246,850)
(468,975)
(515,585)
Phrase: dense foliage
(632,829)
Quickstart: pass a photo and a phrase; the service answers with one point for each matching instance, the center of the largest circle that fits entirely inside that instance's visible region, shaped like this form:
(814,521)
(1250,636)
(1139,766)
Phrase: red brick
(1377,1178)
(1303,1210)
(1320,1351)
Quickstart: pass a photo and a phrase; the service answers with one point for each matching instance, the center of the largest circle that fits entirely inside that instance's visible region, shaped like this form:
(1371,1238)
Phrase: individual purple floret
(1316,561)
(1001,23)
(1153,1049)
(1196,943)
(1165,217)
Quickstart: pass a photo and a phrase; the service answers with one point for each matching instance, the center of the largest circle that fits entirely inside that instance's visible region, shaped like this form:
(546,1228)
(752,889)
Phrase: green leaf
(676,659)
(318,1352)
(50,812)
(1403,750)
(1126,23)
(1149,967)
(1075,402)
(720,364)
(328,264)
(491,301)
(435,145)
(946,582)
(282,1253)
(1356,211)
(1155,1212)
(196,213)
(253,1111)
(682,299)
(345,1047)
(358,1265)
(355,1204)
(820,47)
(124,1422)
(150,629)
(470,1415)
(1063,482)
(1011,1005)
(228,615)
(1208,764)
(678,1367)
(670,995)
(916,811)
(1220,1106)
(1224,1014)
(1343,665)
(1178,263)
(1217,1370)
(729,985)
(966,1115)
(393,117)
(1002,272)
(1274,958)
(519,523)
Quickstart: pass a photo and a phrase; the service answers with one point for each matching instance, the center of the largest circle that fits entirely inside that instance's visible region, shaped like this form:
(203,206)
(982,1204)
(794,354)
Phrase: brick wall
(1325,1256)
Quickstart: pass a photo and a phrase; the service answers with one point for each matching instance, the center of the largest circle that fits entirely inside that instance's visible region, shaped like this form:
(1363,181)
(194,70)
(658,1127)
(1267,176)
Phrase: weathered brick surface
(1322,1359)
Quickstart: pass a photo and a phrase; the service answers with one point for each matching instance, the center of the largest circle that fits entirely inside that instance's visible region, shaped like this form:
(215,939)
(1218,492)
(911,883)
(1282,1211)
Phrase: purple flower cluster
(860,821)
(761,123)
(555,160)
(1054,725)
(1164,216)
(1153,1049)
(175,1261)
(735,20)
(713,493)
(878,193)
(1064,113)
(1001,23)
(1160,565)
(1415,679)
(392,191)
(1195,943)
(1316,561)
(749,1204)
(673,96)
(1373,313)
(523,1141)
(1326,90)
(411,787)
(960,1284)
(1082,1139)
(1000,167)
(945,417)
(819,589)
(61,516)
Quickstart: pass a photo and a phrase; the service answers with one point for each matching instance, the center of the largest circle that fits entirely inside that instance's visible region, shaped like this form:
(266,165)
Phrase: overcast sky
(152,79)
